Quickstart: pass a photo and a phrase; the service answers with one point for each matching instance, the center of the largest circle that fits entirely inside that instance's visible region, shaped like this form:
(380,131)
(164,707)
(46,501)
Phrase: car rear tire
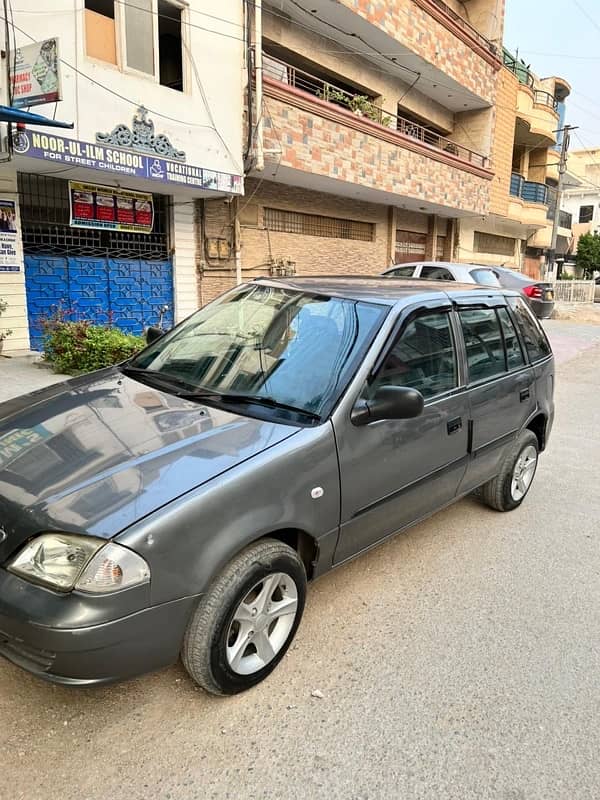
(510,487)
(246,621)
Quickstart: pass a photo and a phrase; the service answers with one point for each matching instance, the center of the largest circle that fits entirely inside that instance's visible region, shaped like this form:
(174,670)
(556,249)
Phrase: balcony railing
(364,106)
(528,190)
(520,70)
(545,99)
(466,26)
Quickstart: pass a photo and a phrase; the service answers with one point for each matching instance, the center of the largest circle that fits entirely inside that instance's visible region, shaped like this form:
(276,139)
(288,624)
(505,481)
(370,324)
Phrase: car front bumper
(109,651)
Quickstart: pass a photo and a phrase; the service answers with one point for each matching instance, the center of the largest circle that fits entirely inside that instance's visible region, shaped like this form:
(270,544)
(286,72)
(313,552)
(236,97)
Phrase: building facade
(105,214)
(517,231)
(581,196)
(372,138)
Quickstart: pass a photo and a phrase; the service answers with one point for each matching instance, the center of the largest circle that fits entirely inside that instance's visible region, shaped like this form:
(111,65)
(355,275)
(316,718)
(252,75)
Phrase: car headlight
(66,561)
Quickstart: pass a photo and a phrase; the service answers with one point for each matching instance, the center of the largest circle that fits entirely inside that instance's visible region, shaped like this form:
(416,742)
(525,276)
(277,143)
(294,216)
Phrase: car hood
(97,453)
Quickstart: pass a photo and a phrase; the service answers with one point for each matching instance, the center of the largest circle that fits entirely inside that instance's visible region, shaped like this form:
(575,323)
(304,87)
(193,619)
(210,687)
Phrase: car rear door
(393,472)
(501,384)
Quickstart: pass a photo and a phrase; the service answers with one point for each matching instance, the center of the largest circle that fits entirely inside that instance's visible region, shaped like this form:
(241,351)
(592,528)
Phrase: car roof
(379,289)
(450,264)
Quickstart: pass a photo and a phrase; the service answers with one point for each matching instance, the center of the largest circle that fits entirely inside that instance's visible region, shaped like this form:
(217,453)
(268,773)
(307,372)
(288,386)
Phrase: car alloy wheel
(262,623)
(523,472)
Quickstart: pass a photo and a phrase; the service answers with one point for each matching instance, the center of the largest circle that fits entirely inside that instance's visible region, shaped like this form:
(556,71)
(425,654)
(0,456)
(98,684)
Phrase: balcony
(529,202)
(526,78)
(528,191)
(363,106)
(545,99)
(323,144)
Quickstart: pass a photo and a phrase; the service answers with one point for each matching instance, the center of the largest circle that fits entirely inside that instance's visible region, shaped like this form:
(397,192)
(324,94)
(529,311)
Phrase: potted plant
(362,106)
(4,332)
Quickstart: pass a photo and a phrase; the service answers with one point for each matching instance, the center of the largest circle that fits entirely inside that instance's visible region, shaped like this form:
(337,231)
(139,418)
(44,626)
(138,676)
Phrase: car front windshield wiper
(234,397)
(155,376)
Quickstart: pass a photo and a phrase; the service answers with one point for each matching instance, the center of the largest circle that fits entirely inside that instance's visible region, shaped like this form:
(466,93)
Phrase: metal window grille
(315,225)
(491,243)
(45,216)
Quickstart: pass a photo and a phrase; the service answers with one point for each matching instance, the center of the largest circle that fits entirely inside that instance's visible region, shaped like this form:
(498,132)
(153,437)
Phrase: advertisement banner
(8,237)
(105,208)
(74,153)
(35,74)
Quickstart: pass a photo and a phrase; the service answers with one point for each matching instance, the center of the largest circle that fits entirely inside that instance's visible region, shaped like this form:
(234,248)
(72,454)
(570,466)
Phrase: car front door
(501,386)
(393,472)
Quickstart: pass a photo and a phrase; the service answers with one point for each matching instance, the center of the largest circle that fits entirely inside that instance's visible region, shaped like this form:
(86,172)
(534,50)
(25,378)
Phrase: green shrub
(75,347)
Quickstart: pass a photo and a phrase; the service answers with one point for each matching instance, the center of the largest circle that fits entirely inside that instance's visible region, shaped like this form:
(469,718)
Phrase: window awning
(8,114)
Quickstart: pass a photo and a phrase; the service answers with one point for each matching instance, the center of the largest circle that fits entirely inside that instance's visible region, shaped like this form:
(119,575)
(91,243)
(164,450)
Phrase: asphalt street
(459,661)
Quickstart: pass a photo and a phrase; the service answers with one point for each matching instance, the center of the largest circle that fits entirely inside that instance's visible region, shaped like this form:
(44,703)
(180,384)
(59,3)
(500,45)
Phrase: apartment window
(105,8)
(170,45)
(491,243)
(586,213)
(100,36)
(150,33)
(315,225)
(139,35)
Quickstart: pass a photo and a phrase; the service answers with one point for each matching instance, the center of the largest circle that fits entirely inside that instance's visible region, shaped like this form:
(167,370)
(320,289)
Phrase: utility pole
(562,168)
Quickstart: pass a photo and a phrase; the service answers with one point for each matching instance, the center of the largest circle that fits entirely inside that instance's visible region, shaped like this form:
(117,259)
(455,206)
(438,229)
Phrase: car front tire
(246,621)
(510,487)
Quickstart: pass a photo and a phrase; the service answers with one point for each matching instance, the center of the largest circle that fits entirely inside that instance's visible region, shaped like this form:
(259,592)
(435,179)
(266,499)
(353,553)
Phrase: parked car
(445,271)
(597,291)
(539,294)
(179,502)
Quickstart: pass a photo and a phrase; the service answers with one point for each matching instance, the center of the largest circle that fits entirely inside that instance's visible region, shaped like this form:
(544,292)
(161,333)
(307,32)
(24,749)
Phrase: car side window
(484,343)
(514,353)
(401,272)
(536,343)
(436,274)
(423,357)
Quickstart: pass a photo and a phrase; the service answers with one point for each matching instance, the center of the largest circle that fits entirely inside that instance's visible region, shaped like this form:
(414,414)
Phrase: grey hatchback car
(179,503)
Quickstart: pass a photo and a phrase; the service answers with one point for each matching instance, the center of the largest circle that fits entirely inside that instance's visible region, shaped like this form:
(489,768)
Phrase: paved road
(460,661)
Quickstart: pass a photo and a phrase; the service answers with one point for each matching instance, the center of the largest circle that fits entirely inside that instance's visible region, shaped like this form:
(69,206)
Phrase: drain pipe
(258,76)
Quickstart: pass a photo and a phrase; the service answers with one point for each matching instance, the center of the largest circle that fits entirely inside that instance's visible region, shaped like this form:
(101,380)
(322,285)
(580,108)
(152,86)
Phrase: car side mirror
(152,334)
(390,402)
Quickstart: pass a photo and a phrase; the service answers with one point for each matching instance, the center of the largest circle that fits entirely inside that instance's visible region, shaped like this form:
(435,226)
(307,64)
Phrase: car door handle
(454,425)
(524,394)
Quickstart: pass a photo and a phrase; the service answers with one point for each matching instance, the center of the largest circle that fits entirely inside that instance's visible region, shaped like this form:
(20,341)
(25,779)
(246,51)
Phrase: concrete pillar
(450,240)
(432,234)
(184,258)
(12,272)
(391,231)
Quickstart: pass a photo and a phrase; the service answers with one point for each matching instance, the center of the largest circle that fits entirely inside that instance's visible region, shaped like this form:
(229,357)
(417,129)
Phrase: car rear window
(485,277)
(536,343)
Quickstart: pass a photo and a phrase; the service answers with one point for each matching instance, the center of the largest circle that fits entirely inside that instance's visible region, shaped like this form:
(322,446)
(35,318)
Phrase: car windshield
(274,343)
